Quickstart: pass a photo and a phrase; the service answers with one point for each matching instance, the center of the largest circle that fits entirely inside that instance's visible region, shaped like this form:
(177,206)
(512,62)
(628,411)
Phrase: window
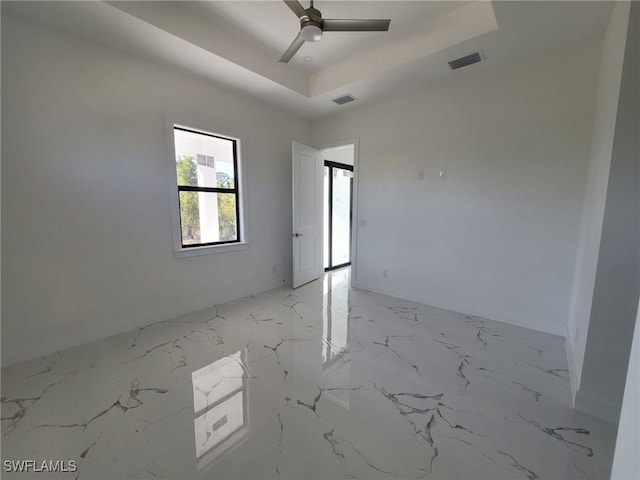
(208,188)
(220,404)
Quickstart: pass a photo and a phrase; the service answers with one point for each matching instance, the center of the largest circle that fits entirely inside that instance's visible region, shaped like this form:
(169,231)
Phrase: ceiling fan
(312,25)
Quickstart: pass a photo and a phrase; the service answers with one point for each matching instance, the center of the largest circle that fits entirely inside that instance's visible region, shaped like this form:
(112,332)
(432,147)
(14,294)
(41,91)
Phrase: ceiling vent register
(465,61)
(342,99)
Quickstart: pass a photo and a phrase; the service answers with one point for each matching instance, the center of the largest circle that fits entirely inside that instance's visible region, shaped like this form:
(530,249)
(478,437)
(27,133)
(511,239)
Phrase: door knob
(295,235)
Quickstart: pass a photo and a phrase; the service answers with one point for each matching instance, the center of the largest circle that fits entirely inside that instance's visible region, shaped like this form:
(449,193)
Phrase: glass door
(338,188)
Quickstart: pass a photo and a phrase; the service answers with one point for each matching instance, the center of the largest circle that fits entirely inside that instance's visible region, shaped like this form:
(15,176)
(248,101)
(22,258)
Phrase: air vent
(342,99)
(466,60)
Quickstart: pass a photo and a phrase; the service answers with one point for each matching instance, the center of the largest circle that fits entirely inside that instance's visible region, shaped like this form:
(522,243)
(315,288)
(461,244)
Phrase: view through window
(207,174)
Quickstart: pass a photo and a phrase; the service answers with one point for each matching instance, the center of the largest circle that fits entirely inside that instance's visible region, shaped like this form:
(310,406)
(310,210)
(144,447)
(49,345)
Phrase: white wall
(617,282)
(344,154)
(0,187)
(608,91)
(626,462)
(87,240)
(497,236)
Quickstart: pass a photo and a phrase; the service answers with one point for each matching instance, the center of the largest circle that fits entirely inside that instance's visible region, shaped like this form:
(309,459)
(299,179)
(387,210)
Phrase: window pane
(203,160)
(227,221)
(326,218)
(190,218)
(207,217)
(341,225)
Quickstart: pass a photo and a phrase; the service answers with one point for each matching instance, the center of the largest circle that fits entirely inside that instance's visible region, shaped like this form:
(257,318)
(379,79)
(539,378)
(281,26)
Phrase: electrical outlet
(421,175)
(274,269)
(385,273)
(363,223)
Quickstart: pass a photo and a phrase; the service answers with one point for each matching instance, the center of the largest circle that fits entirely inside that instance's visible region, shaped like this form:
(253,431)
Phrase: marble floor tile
(319,382)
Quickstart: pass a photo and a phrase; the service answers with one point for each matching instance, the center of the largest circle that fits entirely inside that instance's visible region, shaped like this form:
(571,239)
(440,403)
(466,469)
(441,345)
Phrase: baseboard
(13,354)
(597,407)
(571,366)
(544,327)
(18,353)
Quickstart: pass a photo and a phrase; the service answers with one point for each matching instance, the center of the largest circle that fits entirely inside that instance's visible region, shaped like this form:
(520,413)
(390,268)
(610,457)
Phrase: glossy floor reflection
(320,382)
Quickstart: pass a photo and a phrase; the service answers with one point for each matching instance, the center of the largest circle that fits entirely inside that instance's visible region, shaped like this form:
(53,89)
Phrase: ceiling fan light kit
(311,32)
(312,26)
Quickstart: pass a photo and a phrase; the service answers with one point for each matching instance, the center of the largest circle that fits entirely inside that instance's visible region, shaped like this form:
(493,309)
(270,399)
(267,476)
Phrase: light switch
(421,175)
(443,173)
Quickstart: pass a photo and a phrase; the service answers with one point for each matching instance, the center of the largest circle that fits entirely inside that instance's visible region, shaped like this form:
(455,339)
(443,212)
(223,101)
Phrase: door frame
(329,204)
(354,199)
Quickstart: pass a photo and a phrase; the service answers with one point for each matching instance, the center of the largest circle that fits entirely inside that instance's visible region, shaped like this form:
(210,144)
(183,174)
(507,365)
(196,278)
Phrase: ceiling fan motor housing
(313,15)
(311,25)
(305,22)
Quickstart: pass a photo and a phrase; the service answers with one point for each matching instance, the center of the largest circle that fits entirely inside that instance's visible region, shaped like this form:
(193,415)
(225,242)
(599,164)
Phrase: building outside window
(208,188)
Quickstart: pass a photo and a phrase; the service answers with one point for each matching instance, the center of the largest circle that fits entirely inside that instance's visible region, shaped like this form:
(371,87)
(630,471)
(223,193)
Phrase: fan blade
(293,48)
(348,25)
(295,6)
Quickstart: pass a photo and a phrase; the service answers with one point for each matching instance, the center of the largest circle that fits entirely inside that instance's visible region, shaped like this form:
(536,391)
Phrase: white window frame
(243,242)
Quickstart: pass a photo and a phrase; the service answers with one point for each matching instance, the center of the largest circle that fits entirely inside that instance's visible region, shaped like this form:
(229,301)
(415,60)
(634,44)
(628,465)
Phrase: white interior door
(307,214)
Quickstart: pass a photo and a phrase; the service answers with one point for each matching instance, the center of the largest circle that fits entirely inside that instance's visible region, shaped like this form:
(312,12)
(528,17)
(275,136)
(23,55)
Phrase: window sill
(209,249)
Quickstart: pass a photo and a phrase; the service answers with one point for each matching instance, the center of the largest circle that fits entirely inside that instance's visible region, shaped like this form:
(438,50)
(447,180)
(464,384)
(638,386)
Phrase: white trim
(354,221)
(209,249)
(571,366)
(597,407)
(206,127)
(538,326)
(85,334)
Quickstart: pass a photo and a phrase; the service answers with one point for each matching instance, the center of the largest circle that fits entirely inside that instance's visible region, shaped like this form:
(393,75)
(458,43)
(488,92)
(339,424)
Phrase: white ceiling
(238,43)
(272,25)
